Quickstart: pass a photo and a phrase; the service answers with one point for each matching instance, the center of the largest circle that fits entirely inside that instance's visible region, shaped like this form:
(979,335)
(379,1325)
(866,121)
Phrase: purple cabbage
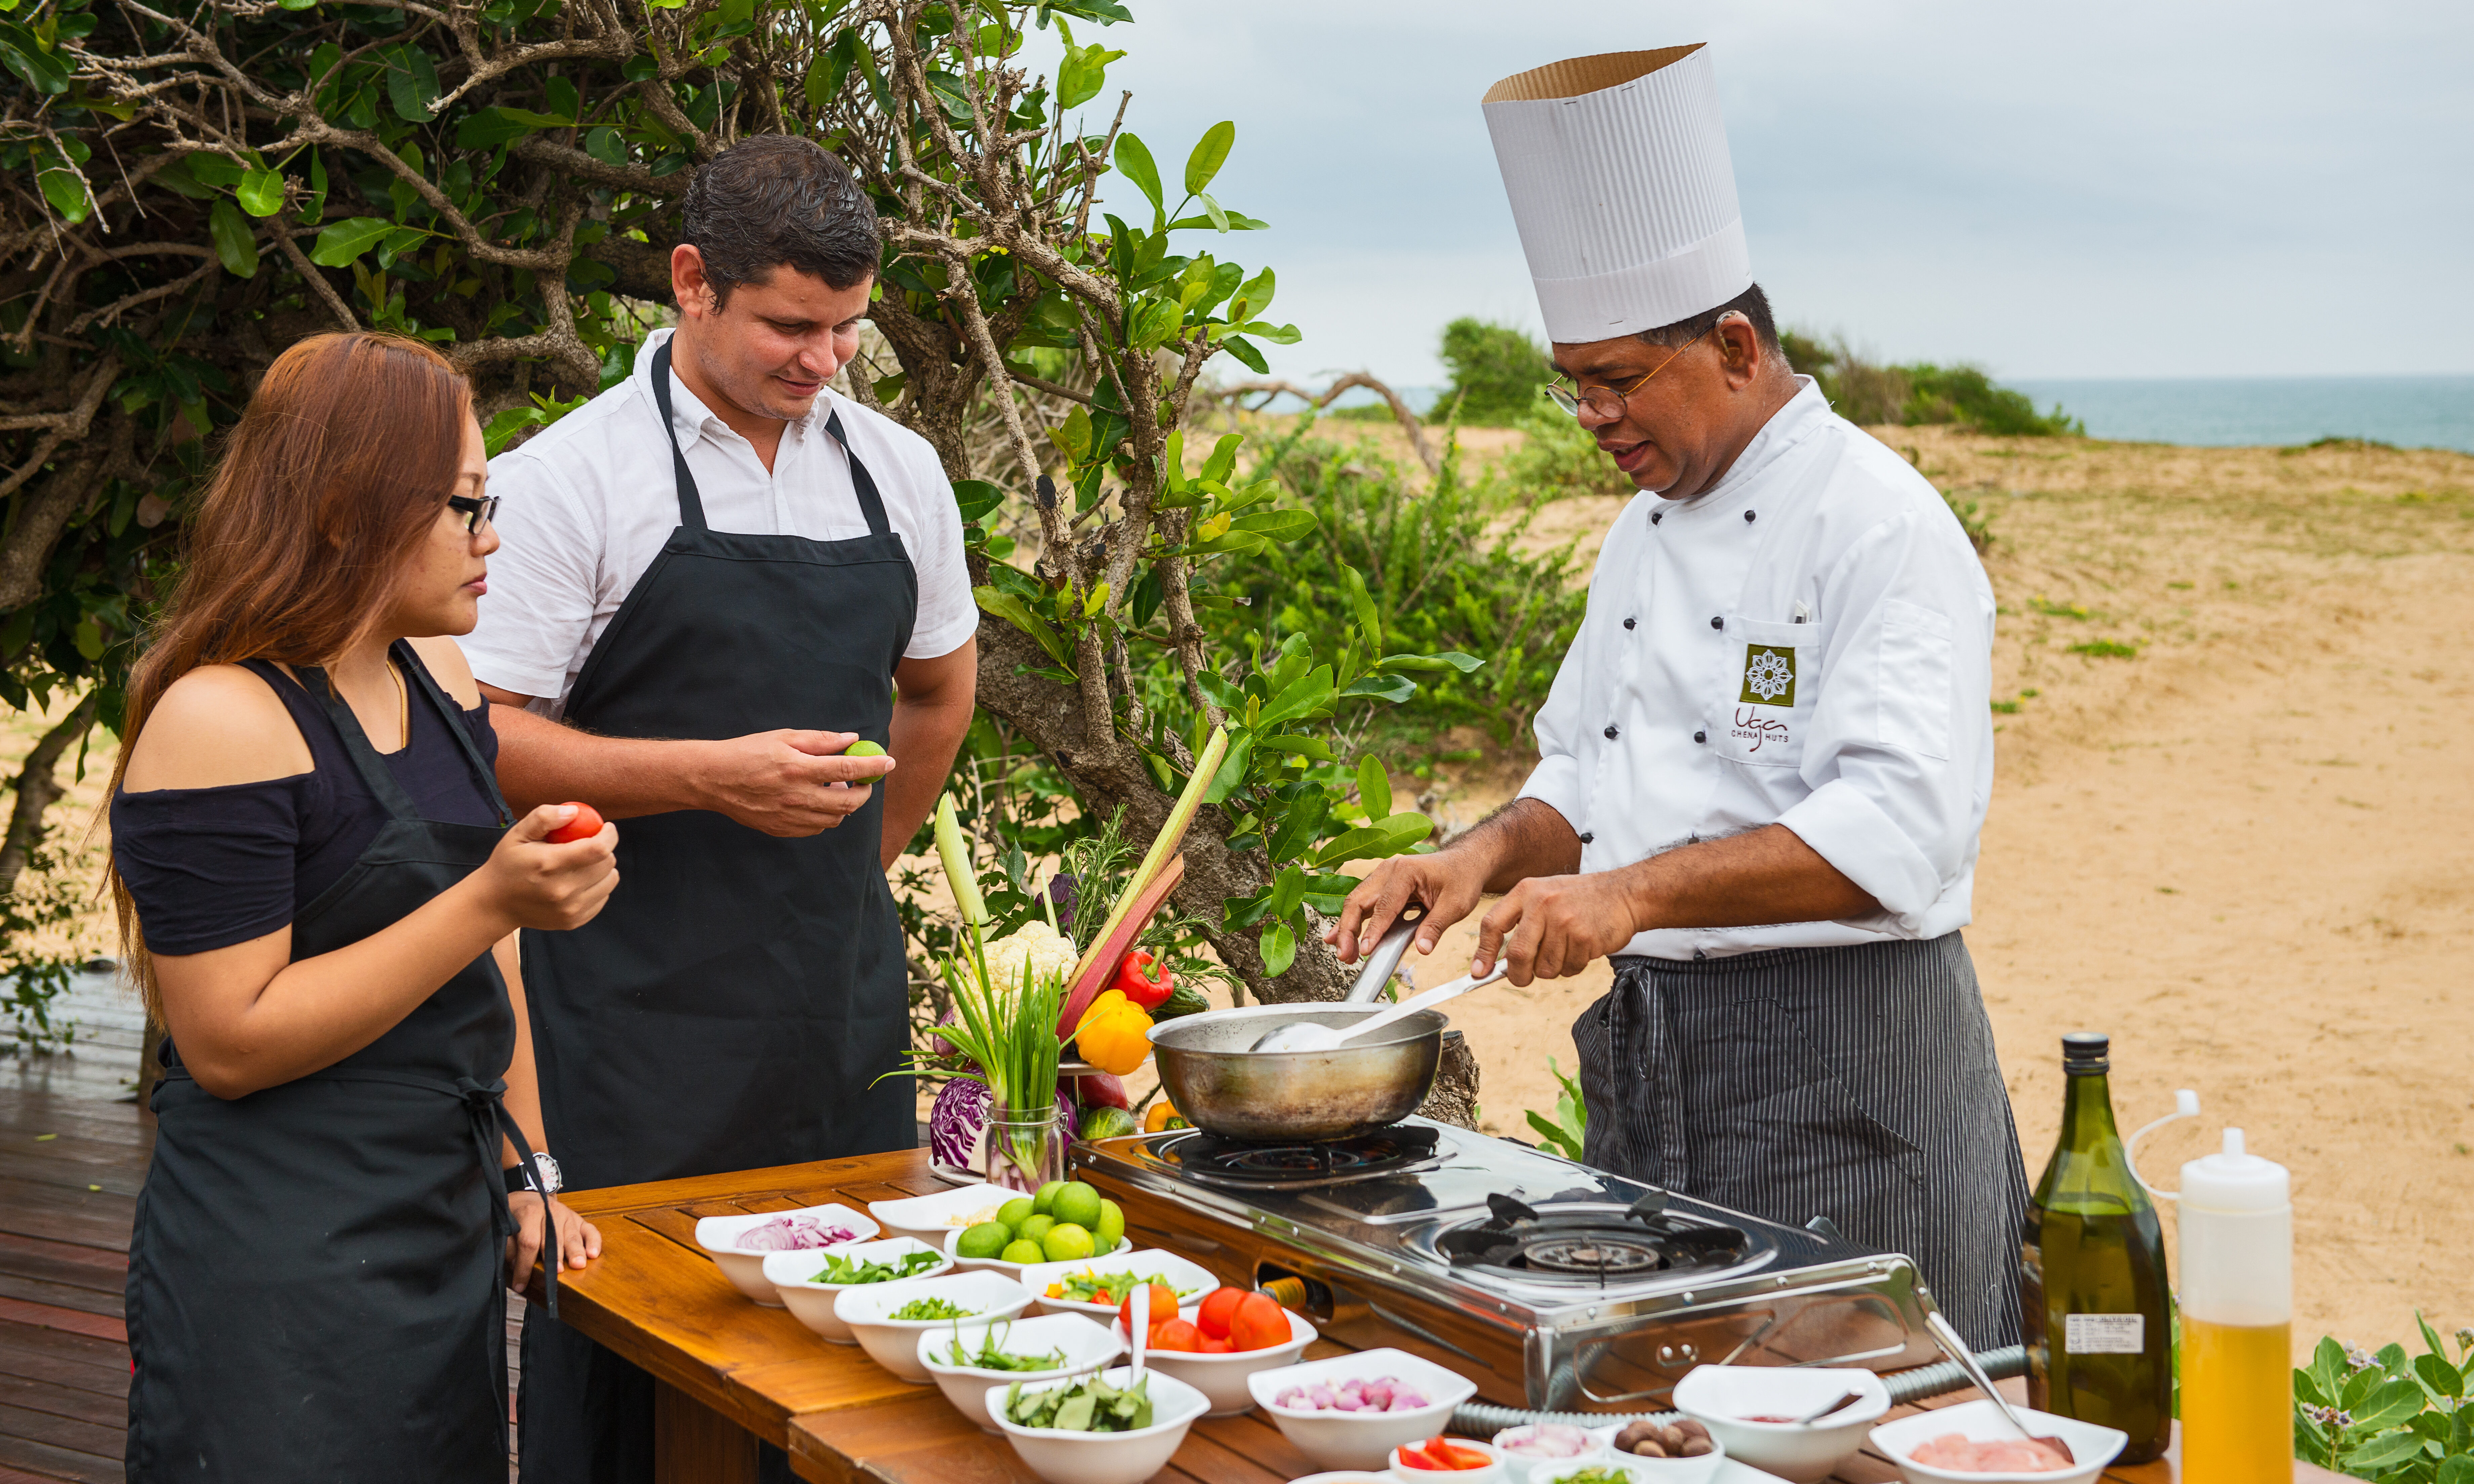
(958,1123)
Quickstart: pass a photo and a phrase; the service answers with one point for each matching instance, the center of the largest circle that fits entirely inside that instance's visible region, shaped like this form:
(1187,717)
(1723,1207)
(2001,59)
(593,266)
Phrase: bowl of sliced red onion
(740,1244)
(1351,1411)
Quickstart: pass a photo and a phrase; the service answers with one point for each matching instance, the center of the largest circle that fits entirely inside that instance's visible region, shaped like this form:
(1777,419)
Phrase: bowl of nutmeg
(1797,1424)
(1677,1453)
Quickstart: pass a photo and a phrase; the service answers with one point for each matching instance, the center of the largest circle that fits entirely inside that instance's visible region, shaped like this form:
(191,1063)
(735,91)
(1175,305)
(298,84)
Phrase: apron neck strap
(871,505)
(372,769)
(691,504)
(453,715)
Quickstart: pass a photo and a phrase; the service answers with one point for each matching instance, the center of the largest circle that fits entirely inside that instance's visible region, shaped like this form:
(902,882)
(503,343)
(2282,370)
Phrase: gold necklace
(403,700)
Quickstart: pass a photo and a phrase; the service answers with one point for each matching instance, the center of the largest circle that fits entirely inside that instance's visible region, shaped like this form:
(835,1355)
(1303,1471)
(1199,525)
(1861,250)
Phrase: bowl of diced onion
(1351,1411)
(739,1245)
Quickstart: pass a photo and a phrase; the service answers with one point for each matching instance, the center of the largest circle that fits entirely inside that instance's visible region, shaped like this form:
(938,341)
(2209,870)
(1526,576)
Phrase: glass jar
(1023,1152)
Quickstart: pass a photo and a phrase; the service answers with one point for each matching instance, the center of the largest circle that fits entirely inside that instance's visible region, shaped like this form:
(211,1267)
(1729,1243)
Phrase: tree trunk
(37,786)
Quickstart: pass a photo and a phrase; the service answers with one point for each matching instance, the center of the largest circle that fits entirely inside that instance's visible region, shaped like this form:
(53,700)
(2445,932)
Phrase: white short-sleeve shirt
(587,504)
(1809,643)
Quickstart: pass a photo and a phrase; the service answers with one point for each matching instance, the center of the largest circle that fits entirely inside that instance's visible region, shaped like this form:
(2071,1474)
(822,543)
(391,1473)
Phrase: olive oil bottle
(2092,1283)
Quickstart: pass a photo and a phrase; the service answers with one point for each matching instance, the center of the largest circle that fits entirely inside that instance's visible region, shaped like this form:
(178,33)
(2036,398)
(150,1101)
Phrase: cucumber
(1184,1001)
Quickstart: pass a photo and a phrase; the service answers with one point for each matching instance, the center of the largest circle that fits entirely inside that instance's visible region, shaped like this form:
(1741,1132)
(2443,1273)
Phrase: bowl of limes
(1063,1221)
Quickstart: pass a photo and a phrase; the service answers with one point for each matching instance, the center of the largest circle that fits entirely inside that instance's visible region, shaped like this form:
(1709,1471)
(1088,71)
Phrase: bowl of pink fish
(1351,1411)
(740,1244)
(1973,1444)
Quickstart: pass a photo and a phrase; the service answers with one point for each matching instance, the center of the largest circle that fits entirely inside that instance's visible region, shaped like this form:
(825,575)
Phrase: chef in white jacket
(1766,758)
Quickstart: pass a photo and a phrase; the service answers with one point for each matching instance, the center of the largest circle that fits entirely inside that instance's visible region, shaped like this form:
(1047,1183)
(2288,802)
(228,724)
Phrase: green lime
(1021,1250)
(984,1240)
(1044,1199)
(1034,1227)
(1077,1203)
(1110,1228)
(1066,1242)
(1016,1213)
(862,749)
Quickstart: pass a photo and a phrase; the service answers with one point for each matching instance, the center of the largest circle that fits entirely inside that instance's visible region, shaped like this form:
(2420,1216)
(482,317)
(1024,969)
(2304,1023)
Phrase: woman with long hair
(319,888)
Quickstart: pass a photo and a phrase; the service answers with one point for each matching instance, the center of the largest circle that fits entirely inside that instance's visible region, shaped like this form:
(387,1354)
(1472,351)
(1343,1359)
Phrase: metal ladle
(1305,1036)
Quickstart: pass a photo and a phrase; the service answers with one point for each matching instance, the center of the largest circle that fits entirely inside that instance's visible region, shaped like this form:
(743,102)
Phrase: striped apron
(1857,1083)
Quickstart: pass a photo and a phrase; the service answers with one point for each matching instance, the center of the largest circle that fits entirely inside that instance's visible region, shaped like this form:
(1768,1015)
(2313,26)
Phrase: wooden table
(732,1373)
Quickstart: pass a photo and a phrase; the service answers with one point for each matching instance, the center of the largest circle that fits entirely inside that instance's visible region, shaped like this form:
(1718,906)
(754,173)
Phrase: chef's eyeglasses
(1608,403)
(476,512)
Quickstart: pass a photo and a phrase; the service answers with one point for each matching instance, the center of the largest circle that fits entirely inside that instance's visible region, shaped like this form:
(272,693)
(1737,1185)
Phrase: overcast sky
(2160,189)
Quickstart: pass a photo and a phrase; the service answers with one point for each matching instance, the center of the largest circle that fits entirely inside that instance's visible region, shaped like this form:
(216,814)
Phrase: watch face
(551,1181)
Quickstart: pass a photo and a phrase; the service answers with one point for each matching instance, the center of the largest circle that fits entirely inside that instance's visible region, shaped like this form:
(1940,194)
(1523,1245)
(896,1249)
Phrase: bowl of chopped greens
(809,1281)
(971,1357)
(739,1245)
(1107,1428)
(1095,1286)
(887,1319)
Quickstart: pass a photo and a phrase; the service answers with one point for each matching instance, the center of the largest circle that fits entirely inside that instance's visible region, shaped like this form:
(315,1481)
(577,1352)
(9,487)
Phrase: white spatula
(1306,1035)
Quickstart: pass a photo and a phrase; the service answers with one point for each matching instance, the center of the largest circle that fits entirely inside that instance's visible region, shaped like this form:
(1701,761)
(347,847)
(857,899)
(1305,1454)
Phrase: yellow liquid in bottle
(2237,1403)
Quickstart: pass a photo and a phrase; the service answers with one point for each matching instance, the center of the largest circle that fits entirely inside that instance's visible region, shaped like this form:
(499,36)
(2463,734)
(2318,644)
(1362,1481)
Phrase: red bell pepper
(1144,979)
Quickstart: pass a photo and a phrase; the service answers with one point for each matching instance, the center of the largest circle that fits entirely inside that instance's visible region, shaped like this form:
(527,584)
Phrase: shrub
(1498,373)
(1871,393)
(2398,1419)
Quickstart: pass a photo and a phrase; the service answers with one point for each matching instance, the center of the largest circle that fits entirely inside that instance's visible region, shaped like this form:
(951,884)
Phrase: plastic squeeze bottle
(2237,1301)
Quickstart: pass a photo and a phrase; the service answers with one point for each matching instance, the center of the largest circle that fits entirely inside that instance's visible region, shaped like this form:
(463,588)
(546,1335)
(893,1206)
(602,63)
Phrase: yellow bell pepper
(1113,1034)
(1162,1117)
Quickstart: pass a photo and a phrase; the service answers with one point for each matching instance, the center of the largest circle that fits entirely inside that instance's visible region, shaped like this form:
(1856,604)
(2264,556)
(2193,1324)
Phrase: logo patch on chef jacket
(1769,675)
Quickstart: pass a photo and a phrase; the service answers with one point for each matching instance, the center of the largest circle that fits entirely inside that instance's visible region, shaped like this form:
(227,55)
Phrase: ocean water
(2411,411)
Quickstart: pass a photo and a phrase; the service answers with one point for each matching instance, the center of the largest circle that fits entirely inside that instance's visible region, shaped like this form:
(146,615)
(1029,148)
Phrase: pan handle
(1386,957)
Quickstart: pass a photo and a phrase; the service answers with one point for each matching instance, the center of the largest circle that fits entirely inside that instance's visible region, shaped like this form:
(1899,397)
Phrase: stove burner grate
(1217,1161)
(1591,1256)
(1592,1246)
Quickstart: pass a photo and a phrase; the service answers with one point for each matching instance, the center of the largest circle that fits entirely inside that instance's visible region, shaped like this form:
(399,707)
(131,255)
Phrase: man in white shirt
(1766,758)
(715,575)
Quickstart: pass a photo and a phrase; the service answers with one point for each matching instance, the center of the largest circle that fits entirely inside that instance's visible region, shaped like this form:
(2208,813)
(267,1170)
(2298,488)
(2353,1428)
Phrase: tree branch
(39,785)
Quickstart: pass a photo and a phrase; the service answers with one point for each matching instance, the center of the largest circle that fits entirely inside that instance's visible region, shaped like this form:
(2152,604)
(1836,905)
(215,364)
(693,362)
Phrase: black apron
(314,1276)
(1857,1083)
(734,1004)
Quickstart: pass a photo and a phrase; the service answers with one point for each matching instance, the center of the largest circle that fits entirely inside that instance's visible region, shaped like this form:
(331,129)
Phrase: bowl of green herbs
(973,1356)
(809,1281)
(887,1319)
(1112,1428)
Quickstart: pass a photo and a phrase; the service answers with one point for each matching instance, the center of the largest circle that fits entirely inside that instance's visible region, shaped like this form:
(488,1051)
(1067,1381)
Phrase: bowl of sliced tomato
(1217,1345)
(1461,1459)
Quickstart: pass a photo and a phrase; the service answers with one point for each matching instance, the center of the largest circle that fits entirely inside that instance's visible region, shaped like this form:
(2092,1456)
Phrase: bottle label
(2105,1334)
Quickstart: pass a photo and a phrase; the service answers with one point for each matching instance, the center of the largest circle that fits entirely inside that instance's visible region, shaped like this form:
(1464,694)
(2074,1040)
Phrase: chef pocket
(1768,687)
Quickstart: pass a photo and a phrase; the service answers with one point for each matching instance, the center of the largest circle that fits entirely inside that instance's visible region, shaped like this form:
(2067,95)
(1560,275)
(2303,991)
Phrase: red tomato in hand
(584,827)
(1258,1324)
(1163,1307)
(1218,1310)
(1178,1334)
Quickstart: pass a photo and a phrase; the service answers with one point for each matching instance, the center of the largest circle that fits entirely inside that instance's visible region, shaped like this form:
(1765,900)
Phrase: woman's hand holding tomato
(584,827)
(537,879)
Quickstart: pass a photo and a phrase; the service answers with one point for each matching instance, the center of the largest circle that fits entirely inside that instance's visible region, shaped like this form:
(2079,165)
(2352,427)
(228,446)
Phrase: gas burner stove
(1236,1165)
(1551,1284)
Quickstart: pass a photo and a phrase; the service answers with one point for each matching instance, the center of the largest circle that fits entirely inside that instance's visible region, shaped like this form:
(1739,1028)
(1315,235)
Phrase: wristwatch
(545,1168)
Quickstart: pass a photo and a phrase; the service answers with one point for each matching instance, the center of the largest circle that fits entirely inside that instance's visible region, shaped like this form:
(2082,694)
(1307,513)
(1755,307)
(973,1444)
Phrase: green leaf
(1134,161)
(1277,526)
(2305,1388)
(1232,767)
(507,423)
(2457,1470)
(1210,153)
(1082,73)
(1374,787)
(23,55)
(1296,746)
(1361,602)
(1277,334)
(977,497)
(1303,696)
(1223,458)
(1015,612)
(1248,356)
(2390,1406)
(412,84)
(1386,837)
(2329,1367)
(66,192)
(1073,438)
(2442,1379)
(1211,209)
(1300,823)
(216,169)
(235,245)
(1395,688)
(1448,660)
(1280,949)
(492,128)
(1253,297)
(175,174)
(2379,1453)
(261,192)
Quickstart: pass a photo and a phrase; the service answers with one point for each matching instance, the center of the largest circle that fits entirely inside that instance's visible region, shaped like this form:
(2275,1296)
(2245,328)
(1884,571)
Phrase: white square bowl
(1106,1457)
(1191,1279)
(793,1275)
(1721,1397)
(929,1217)
(1361,1440)
(1125,1244)
(1086,1346)
(1223,1378)
(894,1343)
(2092,1446)
(1521,1467)
(1714,1465)
(718,1237)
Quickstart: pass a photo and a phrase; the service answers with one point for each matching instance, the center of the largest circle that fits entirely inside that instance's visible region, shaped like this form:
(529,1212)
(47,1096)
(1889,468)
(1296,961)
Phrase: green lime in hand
(862,749)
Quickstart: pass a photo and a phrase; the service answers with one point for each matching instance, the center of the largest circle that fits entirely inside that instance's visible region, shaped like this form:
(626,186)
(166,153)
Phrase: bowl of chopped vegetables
(1095,1288)
(973,1356)
(1351,1411)
(1216,1345)
(1463,1460)
(1536,1450)
(740,1244)
(1107,1428)
(887,1319)
(809,1281)
(1607,1471)
(929,1217)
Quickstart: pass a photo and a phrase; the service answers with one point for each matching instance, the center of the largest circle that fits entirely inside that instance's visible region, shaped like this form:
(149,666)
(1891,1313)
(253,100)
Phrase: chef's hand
(580,1241)
(790,783)
(1448,883)
(1551,927)
(537,884)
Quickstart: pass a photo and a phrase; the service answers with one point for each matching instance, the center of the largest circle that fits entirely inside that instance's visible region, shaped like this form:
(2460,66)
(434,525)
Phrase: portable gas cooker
(1550,1284)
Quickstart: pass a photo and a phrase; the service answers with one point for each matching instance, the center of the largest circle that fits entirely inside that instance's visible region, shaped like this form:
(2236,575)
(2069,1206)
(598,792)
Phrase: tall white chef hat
(1622,188)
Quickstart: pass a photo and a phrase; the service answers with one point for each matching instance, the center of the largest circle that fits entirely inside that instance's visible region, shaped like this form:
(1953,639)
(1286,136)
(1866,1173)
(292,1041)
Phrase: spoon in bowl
(1306,1035)
(1956,1350)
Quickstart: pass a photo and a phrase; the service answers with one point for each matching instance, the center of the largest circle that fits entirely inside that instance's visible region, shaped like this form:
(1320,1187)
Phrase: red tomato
(1163,1307)
(584,827)
(1212,1347)
(1218,1310)
(1413,1457)
(1258,1324)
(1178,1334)
(1441,1453)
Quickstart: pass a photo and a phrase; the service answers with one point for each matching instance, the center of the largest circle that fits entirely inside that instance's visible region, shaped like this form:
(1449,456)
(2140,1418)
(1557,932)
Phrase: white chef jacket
(587,504)
(1808,643)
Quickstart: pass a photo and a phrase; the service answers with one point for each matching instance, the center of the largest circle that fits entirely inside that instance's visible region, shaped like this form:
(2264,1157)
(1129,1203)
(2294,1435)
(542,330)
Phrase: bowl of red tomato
(1462,1460)
(1217,1345)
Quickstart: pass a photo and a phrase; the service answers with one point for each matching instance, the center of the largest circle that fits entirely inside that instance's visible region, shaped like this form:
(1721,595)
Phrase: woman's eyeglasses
(1608,403)
(476,512)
